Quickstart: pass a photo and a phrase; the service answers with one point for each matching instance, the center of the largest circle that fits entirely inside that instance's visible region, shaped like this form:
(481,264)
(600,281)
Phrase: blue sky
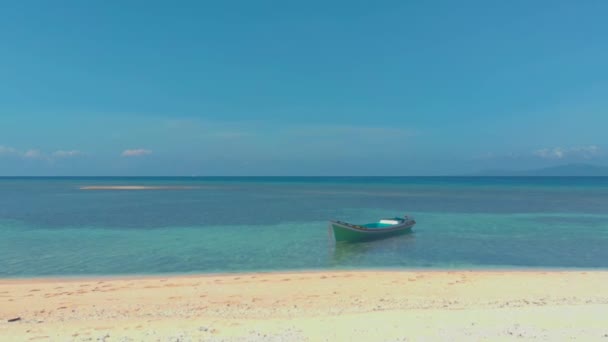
(301,88)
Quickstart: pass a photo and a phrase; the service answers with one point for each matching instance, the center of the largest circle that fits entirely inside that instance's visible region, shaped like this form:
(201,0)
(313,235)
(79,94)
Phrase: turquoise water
(48,226)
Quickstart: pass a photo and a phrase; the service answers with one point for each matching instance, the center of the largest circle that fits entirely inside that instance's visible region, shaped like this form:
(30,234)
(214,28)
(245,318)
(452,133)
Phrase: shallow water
(49,226)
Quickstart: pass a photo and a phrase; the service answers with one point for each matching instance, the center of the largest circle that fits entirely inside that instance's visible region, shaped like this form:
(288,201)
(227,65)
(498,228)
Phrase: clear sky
(301,88)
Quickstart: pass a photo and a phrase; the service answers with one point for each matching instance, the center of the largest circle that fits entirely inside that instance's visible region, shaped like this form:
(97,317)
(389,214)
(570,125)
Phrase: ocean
(52,227)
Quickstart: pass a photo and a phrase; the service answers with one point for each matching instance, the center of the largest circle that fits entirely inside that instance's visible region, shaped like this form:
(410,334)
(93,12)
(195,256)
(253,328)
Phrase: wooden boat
(343,231)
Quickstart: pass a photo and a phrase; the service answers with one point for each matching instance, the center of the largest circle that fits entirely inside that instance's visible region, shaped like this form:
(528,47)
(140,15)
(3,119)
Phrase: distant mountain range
(573,170)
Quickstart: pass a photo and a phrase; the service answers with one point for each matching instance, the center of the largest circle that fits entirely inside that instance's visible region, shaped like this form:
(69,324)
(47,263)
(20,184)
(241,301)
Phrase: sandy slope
(310,306)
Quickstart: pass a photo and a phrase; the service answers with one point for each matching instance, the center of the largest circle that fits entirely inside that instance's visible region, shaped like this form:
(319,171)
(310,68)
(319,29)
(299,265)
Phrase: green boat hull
(353,233)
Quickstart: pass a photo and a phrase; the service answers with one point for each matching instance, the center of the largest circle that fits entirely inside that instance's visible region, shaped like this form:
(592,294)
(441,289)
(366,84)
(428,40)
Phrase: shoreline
(143,276)
(310,305)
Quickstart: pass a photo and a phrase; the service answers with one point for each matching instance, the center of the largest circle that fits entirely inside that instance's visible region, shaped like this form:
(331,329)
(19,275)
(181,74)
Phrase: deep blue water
(49,226)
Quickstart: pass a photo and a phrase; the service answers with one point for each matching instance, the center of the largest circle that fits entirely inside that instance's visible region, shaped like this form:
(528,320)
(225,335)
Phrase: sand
(315,306)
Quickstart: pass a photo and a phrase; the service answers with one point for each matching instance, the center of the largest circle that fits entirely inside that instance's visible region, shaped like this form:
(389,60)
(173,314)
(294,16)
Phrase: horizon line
(309,176)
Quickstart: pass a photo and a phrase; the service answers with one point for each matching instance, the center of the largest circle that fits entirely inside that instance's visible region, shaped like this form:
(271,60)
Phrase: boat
(384,228)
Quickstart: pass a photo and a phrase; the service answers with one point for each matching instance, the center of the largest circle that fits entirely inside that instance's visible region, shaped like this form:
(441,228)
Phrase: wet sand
(316,306)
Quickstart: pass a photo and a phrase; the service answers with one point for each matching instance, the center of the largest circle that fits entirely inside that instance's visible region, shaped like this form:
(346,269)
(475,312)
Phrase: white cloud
(33,154)
(66,154)
(546,153)
(585,152)
(136,152)
(7,150)
(37,154)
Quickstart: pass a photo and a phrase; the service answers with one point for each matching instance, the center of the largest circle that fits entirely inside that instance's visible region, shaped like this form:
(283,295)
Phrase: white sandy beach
(315,306)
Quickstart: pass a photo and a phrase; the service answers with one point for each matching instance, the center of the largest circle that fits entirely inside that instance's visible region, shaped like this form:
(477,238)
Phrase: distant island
(568,170)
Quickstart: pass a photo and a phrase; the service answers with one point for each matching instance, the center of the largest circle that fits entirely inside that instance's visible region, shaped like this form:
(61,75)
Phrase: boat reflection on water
(347,253)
